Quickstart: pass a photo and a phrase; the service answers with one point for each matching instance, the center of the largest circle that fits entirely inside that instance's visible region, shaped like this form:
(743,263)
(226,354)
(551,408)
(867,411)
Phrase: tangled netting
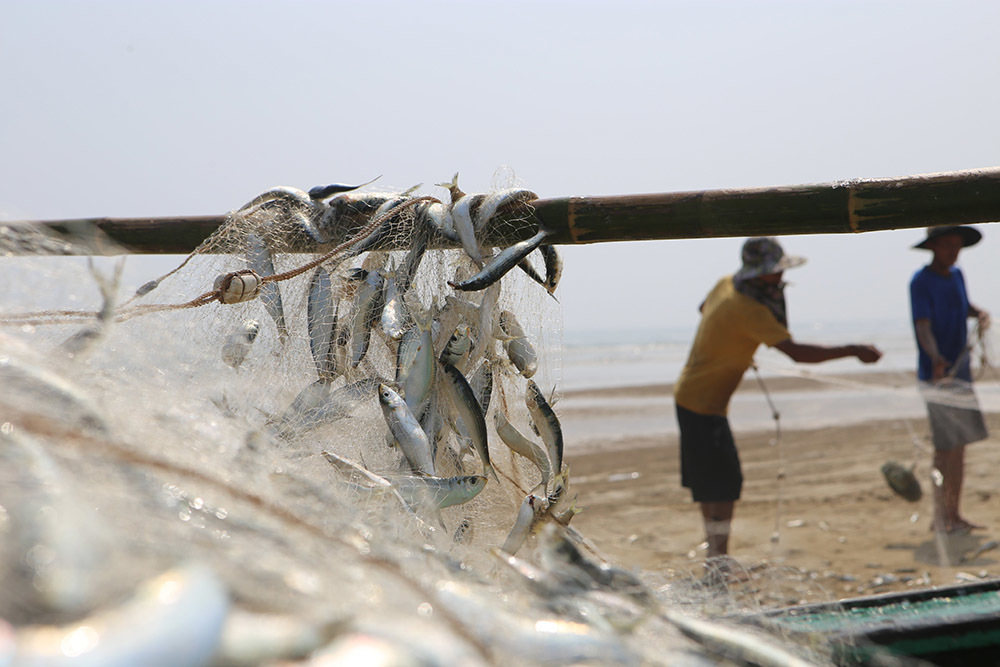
(329,435)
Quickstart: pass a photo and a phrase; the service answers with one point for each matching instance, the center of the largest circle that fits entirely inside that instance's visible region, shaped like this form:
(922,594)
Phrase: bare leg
(718,517)
(951,464)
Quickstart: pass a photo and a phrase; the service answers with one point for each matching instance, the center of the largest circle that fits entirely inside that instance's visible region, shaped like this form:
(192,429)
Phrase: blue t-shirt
(944,301)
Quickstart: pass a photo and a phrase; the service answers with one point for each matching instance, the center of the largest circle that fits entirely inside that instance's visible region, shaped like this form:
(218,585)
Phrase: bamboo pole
(959,197)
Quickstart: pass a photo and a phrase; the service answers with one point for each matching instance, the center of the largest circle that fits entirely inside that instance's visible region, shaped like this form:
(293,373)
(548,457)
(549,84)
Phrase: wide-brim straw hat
(970,235)
(763,255)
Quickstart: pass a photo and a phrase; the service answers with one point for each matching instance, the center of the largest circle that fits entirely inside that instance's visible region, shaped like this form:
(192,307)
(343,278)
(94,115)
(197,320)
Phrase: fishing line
(776,442)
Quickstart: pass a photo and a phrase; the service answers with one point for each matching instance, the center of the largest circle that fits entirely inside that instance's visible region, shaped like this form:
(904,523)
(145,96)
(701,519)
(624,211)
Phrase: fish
(461,216)
(519,349)
(174,619)
(237,345)
(388,226)
(560,554)
(420,238)
(553,268)
(437,493)
(281,193)
(395,318)
(547,423)
(902,481)
(501,263)
(35,394)
(259,259)
(521,445)
(365,311)
(321,319)
(453,189)
(419,375)
(527,516)
(463,400)
(327,191)
(494,201)
(318,404)
(406,430)
(438,217)
(458,347)
(59,541)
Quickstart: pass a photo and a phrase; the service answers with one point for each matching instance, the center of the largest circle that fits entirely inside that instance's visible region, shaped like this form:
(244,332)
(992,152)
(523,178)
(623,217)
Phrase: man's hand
(868,354)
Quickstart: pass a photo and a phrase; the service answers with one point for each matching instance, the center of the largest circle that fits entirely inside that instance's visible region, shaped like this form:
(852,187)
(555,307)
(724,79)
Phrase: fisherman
(939,305)
(741,312)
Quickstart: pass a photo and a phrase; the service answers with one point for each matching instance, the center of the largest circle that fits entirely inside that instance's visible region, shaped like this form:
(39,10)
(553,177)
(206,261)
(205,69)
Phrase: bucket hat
(763,255)
(970,235)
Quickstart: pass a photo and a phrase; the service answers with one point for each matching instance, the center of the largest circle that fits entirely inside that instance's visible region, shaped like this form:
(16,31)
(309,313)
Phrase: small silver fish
(406,430)
(527,516)
(419,375)
(461,216)
(481,382)
(547,424)
(438,217)
(259,259)
(439,492)
(495,201)
(238,344)
(458,347)
(365,312)
(501,263)
(523,446)
(463,400)
(395,318)
(519,349)
(321,320)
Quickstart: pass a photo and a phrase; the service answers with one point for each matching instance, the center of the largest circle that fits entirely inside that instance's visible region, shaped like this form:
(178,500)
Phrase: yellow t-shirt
(732,327)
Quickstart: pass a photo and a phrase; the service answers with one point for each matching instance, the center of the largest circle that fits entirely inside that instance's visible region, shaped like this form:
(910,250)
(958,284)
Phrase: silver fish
(188,602)
(461,215)
(438,216)
(394,318)
(463,400)
(419,375)
(35,392)
(497,200)
(519,349)
(388,226)
(365,312)
(500,264)
(458,347)
(419,240)
(321,318)
(439,492)
(406,430)
(521,445)
(259,259)
(546,423)
(453,189)
(238,344)
(527,516)
(318,404)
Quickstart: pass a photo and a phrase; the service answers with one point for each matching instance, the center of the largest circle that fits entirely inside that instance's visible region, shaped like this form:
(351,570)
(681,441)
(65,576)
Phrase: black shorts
(710,466)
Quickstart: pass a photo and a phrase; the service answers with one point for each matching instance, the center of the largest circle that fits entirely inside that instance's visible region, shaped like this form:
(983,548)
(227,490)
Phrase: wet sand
(829,523)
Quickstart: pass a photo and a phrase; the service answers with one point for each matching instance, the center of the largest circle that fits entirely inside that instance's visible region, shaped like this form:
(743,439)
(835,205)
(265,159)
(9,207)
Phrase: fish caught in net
(332,431)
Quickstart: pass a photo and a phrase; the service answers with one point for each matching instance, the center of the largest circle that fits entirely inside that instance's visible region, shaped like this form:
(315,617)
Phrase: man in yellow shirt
(741,312)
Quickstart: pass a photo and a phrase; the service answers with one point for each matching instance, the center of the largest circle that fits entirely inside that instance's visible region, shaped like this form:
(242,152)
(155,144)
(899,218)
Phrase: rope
(221,292)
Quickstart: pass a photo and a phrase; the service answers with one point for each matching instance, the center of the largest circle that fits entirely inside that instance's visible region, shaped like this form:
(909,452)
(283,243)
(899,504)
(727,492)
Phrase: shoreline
(815,510)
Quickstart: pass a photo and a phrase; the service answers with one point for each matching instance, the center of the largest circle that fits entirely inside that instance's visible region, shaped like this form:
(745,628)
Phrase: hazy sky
(183,108)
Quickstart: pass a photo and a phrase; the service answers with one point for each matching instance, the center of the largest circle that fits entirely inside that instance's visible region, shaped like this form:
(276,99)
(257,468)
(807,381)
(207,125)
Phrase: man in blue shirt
(940,307)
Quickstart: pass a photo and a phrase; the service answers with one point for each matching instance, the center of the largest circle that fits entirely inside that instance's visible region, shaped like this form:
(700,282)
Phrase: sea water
(653,359)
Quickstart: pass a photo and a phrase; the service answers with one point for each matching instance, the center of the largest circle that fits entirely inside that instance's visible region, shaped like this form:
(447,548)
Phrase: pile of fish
(359,467)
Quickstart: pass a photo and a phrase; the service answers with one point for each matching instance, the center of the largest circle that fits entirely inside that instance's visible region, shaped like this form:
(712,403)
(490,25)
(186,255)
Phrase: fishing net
(224,423)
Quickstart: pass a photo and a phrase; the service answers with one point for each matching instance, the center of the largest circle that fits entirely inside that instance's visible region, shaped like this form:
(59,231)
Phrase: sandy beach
(817,520)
